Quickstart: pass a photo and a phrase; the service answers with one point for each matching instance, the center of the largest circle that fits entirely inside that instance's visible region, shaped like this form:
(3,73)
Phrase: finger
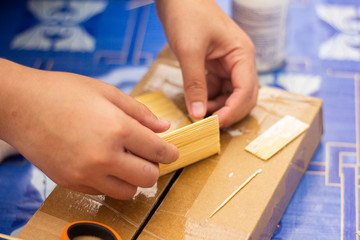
(214,85)
(79,188)
(142,142)
(87,190)
(135,170)
(227,86)
(217,103)
(193,70)
(220,95)
(116,188)
(217,67)
(243,97)
(138,111)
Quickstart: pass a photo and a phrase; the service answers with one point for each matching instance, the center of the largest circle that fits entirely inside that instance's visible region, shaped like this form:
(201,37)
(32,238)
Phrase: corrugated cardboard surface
(184,212)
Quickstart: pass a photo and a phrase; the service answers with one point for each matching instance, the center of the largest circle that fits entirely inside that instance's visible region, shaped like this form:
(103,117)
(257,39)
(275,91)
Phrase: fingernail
(197,109)
(164,120)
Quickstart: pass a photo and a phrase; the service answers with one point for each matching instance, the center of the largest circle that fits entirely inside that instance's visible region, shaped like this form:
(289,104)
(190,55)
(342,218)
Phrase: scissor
(89,228)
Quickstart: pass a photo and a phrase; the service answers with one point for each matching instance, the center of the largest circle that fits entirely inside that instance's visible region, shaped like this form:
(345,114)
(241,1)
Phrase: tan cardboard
(256,210)
(184,212)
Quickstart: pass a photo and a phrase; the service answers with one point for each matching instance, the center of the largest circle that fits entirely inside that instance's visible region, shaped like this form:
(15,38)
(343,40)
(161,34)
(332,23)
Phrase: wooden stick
(195,141)
(4,236)
(236,191)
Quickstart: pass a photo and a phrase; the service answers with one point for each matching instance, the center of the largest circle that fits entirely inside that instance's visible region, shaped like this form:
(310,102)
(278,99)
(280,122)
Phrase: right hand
(216,57)
(84,134)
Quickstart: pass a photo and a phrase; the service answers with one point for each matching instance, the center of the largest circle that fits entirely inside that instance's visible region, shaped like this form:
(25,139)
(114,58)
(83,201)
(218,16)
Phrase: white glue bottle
(265,23)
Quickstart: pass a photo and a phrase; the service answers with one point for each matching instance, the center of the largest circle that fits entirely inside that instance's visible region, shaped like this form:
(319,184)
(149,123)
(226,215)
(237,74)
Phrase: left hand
(217,59)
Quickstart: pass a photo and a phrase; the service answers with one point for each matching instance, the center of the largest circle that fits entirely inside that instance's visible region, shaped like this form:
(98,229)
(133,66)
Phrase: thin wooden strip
(164,108)
(197,150)
(235,192)
(195,142)
(196,131)
(276,137)
(4,236)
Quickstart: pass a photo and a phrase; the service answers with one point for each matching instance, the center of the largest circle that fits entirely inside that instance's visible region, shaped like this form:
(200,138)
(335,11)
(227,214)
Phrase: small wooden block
(276,137)
(194,141)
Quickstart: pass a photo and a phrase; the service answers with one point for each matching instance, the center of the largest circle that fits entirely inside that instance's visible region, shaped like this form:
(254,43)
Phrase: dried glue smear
(234,132)
(147,192)
(265,22)
(195,230)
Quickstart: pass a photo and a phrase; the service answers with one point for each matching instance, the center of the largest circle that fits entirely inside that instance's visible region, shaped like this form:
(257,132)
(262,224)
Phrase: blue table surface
(116,41)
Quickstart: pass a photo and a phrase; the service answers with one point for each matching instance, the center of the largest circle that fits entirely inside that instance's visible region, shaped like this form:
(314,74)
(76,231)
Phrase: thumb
(195,89)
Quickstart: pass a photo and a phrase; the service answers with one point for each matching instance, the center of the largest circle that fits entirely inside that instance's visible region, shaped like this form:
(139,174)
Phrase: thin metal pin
(236,191)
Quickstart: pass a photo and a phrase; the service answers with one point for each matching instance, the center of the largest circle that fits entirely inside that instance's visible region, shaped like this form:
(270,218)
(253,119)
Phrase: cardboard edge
(291,179)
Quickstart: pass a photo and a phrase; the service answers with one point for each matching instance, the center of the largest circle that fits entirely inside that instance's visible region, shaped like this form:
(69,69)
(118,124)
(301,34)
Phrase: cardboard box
(181,203)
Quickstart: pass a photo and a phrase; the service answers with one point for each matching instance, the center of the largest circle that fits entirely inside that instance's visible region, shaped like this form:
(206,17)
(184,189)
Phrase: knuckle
(245,41)
(176,154)
(182,49)
(251,47)
(78,176)
(151,174)
(95,159)
(166,153)
(195,85)
(160,153)
(145,113)
(121,131)
(66,183)
(143,109)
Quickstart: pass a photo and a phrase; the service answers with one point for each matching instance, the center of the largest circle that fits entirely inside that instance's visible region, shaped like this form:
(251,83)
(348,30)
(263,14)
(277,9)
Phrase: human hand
(84,134)
(216,57)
